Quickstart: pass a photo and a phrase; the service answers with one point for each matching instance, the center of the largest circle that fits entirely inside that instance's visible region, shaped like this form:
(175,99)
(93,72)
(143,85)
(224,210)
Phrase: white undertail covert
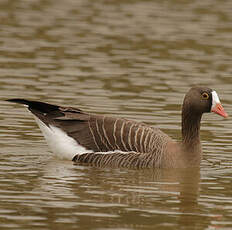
(64,146)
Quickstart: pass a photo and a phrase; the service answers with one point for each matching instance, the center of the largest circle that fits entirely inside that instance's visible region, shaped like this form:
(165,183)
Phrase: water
(134,59)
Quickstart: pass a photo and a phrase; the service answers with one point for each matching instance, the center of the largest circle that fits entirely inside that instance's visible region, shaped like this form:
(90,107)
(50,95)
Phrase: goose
(106,141)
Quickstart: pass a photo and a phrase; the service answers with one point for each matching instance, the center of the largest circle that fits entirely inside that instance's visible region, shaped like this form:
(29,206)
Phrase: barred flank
(116,159)
(124,143)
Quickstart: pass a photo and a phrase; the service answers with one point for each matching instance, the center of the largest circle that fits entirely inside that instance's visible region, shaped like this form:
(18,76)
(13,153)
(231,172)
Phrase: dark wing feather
(36,105)
(101,133)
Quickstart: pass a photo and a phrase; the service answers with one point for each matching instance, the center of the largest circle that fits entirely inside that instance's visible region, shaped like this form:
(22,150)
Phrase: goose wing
(99,133)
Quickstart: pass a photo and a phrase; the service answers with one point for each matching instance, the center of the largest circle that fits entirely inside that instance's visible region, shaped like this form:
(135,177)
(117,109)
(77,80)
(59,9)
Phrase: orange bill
(218,109)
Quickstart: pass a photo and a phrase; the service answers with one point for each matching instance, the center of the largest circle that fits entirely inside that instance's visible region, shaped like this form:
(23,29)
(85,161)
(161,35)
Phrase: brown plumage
(117,142)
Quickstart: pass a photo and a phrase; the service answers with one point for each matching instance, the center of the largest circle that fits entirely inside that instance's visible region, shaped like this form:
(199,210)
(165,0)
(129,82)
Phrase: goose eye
(205,96)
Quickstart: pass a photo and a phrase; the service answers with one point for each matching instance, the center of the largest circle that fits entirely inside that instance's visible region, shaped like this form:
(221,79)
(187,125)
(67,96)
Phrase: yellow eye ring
(205,96)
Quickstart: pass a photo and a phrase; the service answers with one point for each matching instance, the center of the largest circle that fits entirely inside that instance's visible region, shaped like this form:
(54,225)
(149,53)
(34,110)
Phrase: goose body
(116,142)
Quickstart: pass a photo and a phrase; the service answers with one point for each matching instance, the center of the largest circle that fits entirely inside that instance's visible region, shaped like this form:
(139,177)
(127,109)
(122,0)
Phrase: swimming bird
(107,141)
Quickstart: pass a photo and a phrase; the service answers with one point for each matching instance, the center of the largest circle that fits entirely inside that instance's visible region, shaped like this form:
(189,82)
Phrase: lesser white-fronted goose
(108,141)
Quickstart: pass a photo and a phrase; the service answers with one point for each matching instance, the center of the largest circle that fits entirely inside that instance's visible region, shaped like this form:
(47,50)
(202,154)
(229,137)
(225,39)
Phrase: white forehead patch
(215,99)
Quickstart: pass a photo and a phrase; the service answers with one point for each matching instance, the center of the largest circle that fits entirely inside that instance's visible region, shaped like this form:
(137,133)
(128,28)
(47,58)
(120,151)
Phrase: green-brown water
(134,59)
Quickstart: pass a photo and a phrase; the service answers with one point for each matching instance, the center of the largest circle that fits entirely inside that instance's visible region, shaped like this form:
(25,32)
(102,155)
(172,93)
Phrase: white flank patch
(64,146)
(115,151)
(215,99)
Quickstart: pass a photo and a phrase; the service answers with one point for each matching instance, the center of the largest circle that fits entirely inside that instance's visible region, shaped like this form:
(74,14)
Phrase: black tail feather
(36,105)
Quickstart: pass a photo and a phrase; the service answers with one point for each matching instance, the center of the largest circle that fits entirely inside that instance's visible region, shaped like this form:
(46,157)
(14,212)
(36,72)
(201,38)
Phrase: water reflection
(128,193)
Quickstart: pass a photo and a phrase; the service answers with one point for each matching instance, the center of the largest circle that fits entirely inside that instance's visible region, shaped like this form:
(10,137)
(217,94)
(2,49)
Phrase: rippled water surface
(134,59)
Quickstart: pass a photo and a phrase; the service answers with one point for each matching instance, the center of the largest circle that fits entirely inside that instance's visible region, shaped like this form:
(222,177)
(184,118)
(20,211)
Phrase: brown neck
(191,131)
